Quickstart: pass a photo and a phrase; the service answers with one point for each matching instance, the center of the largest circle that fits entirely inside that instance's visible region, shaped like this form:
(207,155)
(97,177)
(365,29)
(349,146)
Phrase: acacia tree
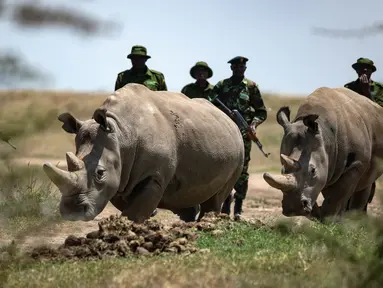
(15,68)
(31,14)
(366,31)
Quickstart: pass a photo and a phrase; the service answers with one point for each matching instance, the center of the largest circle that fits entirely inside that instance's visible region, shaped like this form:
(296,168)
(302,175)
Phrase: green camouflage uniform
(248,101)
(376,95)
(193,90)
(376,90)
(152,79)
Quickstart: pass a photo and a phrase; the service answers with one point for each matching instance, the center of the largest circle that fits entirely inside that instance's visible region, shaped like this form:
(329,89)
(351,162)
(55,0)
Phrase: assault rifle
(6,140)
(241,122)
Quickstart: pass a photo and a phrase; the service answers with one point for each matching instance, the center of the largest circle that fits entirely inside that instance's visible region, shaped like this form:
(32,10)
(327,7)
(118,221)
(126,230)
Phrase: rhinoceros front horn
(283,182)
(64,180)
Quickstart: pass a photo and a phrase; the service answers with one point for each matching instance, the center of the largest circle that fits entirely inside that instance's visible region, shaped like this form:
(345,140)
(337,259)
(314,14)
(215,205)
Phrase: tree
(362,32)
(33,15)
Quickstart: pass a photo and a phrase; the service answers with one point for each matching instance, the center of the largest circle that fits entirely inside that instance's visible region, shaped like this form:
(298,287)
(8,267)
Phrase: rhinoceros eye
(100,174)
(312,171)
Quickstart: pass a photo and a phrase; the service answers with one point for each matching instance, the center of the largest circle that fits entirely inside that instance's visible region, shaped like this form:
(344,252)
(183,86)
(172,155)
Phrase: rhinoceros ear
(283,116)
(100,117)
(71,123)
(310,122)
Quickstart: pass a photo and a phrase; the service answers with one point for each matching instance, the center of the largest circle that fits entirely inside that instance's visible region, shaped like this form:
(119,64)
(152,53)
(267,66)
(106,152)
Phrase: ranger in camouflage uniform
(140,73)
(238,92)
(201,88)
(373,90)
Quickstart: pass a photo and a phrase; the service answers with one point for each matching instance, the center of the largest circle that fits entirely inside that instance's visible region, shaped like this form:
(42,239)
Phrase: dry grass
(282,256)
(51,142)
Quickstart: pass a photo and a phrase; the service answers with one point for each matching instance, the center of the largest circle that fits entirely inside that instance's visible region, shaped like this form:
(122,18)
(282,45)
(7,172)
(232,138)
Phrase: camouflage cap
(138,50)
(201,64)
(238,59)
(363,62)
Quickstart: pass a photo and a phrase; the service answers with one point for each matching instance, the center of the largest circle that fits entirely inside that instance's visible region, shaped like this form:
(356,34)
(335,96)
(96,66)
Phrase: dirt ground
(262,203)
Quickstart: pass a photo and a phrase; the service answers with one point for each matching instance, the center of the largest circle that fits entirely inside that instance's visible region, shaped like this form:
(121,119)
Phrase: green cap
(363,62)
(203,65)
(138,50)
(238,60)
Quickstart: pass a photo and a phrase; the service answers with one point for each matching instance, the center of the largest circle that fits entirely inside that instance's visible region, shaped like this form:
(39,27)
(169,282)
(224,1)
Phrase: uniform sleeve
(184,90)
(379,96)
(118,83)
(214,92)
(256,101)
(164,87)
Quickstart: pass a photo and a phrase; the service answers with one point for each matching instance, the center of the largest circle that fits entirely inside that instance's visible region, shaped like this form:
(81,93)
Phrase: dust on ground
(263,203)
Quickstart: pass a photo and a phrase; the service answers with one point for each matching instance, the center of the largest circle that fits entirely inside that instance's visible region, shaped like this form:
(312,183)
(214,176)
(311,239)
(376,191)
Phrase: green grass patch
(285,255)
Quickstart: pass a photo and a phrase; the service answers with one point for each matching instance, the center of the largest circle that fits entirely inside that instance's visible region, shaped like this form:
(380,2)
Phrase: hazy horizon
(276,36)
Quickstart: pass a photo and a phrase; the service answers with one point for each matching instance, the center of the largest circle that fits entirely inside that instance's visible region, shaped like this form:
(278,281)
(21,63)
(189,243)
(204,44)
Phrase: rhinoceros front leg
(337,195)
(144,199)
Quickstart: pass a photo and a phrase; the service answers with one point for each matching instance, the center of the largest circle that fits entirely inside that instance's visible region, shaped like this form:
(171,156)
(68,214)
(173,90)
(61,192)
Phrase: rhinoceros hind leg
(187,214)
(360,199)
(214,204)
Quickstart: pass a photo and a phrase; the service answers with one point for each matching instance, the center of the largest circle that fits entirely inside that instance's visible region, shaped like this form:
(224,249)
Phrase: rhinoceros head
(304,161)
(93,174)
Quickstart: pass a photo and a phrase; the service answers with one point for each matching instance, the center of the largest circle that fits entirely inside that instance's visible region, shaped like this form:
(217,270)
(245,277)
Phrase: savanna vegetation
(284,254)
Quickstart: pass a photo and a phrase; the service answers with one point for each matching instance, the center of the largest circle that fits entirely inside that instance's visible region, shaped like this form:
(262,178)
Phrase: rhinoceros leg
(187,214)
(143,201)
(359,199)
(214,204)
(337,195)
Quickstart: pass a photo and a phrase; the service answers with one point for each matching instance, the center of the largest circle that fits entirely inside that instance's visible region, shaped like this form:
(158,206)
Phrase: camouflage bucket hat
(363,62)
(138,50)
(203,65)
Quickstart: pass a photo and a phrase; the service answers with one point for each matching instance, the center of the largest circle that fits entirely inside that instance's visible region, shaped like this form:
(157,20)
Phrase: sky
(285,56)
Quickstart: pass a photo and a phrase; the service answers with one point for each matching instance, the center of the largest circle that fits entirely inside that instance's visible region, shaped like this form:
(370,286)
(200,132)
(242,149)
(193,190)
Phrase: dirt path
(262,203)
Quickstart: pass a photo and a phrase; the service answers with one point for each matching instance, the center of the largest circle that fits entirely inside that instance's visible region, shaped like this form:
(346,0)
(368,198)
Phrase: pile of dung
(119,237)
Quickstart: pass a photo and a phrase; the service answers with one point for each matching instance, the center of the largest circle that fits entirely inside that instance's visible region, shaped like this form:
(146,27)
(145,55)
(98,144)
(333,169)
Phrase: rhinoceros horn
(283,182)
(289,163)
(64,180)
(73,162)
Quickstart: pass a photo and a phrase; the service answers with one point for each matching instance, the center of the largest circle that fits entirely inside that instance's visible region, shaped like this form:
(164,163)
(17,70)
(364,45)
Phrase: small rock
(72,240)
(216,232)
(93,235)
(204,250)
(142,251)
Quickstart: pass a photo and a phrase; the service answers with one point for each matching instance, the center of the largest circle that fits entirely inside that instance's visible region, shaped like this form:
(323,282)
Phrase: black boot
(226,206)
(238,209)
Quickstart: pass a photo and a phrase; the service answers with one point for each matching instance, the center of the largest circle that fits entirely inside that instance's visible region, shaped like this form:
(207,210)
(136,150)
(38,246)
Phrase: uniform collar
(244,80)
(148,72)
(204,89)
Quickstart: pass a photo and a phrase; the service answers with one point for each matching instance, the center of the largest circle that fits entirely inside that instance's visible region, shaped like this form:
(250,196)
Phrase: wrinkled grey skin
(144,149)
(332,146)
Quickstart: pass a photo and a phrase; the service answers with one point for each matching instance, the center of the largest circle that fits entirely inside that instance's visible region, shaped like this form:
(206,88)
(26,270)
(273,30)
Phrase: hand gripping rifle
(243,124)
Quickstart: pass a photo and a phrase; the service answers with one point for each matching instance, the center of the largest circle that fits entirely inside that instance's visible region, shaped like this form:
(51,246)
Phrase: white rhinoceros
(144,149)
(332,146)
